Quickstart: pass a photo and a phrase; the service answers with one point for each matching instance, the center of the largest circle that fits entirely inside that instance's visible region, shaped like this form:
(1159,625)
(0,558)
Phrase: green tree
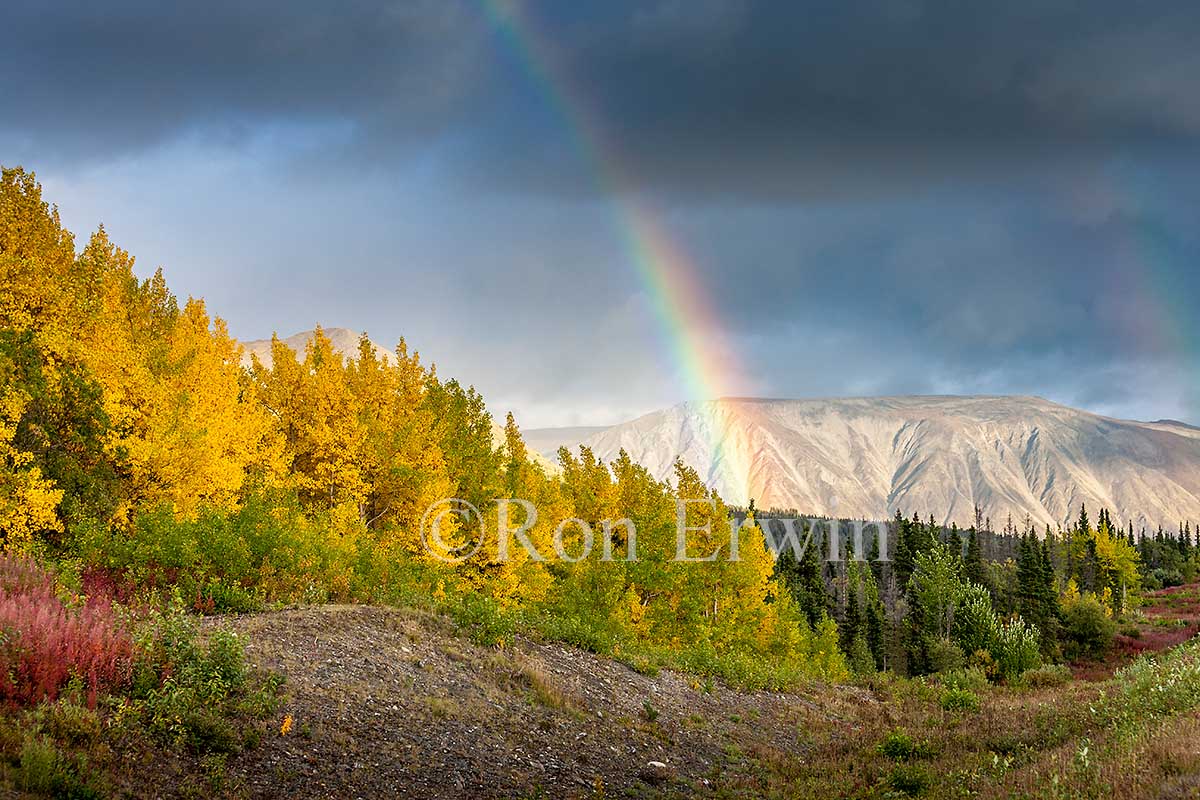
(803,579)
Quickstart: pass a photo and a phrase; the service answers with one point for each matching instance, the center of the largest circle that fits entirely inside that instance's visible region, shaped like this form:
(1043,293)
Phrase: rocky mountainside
(868,457)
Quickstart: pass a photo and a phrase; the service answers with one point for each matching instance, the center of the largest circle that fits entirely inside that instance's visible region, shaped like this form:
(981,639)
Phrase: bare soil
(389,703)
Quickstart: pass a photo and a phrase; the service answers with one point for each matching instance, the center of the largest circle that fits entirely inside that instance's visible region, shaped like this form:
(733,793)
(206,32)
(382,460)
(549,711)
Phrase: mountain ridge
(928,454)
(344,341)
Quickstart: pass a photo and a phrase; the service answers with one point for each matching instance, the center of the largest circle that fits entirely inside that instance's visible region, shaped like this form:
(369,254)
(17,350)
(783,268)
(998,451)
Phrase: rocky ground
(388,703)
(384,702)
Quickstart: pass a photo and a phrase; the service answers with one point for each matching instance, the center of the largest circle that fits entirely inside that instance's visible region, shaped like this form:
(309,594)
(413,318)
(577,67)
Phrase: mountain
(547,440)
(868,457)
(344,340)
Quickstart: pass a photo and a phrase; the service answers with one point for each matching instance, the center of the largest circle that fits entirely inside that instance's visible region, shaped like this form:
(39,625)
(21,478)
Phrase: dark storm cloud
(835,97)
(99,79)
(760,98)
(882,196)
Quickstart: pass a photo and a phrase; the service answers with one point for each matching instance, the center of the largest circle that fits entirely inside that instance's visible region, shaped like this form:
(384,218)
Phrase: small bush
(69,722)
(1088,628)
(944,655)
(972,680)
(1046,676)
(910,779)
(43,770)
(228,561)
(1158,685)
(959,700)
(1017,648)
(586,633)
(976,624)
(1131,630)
(45,644)
(192,693)
(898,745)
(483,620)
(39,765)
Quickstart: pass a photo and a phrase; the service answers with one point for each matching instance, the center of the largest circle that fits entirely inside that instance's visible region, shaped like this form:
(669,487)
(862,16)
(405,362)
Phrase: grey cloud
(756,98)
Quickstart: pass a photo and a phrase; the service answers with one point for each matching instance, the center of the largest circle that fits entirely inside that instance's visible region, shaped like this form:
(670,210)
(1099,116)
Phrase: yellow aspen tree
(36,259)
(28,501)
(402,464)
(504,568)
(205,436)
(316,414)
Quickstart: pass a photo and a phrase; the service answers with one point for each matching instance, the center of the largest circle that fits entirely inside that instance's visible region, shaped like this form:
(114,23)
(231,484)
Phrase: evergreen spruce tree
(803,579)
(973,566)
(905,549)
(1049,611)
(1028,577)
(851,627)
(877,633)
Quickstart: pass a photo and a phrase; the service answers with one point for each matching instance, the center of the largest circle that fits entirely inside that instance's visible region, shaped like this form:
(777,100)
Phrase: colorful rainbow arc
(664,269)
(1153,280)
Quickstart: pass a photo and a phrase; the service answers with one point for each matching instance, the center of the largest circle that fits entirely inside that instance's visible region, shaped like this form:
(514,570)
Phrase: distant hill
(547,440)
(344,341)
(868,457)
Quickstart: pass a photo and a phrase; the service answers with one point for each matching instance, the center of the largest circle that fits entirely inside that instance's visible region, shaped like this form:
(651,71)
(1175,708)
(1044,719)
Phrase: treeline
(142,457)
(944,598)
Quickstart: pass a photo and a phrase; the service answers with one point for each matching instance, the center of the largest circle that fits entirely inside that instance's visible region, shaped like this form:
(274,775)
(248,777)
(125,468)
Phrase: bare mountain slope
(868,457)
(344,340)
(547,440)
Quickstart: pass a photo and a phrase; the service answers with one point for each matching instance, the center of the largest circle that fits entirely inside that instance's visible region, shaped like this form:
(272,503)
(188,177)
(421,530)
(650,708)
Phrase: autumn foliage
(45,643)
(133,437)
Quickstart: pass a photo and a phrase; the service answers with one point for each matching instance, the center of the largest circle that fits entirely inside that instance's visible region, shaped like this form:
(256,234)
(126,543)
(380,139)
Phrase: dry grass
(522,673)
(1023,743)
(545,688)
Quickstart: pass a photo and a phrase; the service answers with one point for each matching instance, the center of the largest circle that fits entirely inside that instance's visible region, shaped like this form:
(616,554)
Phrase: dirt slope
(387,703)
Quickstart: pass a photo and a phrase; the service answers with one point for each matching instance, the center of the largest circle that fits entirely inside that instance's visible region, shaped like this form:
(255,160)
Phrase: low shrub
(910,779)
(1158,686)
(589,634)
(944,655)
(229,560)
(193,692)
(1017,648)
(1045,676)
(899,745)
(972,680)
(46,643)
(1088,629)
(1131,630)
(482,619)
(68,721)
(959,700)
(41,769)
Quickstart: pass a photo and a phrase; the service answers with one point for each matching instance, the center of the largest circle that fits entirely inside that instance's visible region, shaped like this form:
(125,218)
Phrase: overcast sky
(882,197)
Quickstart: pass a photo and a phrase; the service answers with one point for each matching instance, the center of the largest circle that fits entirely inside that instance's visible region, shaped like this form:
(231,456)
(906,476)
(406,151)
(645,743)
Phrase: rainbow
(1157,315)
(686,317)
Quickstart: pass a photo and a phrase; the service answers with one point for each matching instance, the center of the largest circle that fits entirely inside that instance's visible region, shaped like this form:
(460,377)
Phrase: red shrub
(102,586)
(44,643)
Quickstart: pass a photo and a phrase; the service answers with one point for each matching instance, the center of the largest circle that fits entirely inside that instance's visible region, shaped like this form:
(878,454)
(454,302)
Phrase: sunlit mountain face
(1016,458)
